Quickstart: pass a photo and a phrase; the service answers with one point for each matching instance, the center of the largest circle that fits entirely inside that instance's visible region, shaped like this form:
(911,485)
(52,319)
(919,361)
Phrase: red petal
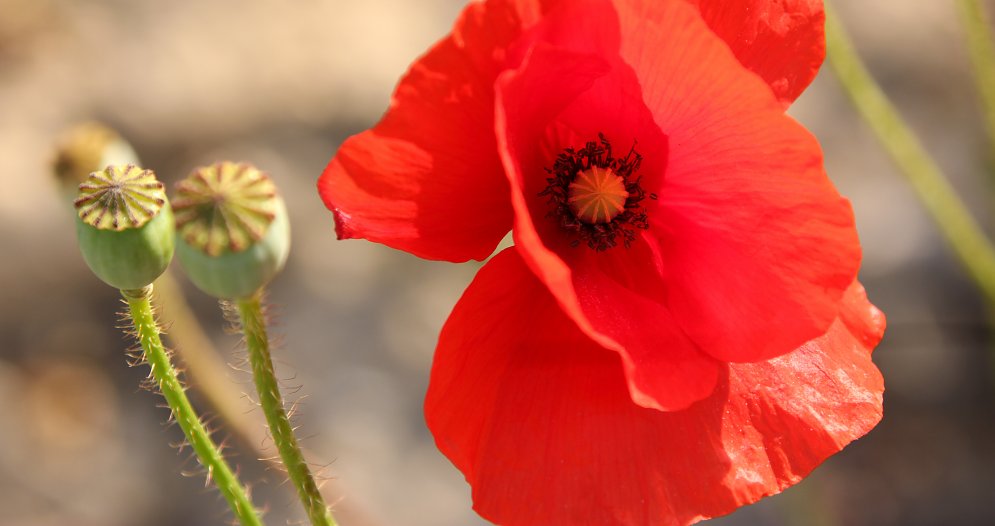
(664,368)
(862,319)
(757,244)
(783,41)
(538,418)
(427,178)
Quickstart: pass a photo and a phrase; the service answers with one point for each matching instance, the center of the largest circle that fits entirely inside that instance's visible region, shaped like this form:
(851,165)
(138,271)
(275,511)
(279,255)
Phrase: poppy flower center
(595,197)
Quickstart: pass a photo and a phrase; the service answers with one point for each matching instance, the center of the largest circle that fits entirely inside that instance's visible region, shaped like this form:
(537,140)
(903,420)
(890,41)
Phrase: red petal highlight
(427,178)
(539,420)
(783,41)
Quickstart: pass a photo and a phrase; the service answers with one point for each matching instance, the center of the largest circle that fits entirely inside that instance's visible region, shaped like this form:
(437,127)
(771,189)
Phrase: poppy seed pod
(234,235)
(125,226)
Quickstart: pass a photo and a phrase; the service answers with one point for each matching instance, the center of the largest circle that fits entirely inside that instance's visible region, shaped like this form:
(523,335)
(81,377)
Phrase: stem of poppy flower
(254,328)
(934,190)
(982,50)
(166,378)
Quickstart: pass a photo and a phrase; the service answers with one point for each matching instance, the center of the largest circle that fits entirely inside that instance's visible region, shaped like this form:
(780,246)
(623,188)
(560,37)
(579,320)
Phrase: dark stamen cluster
(599,236)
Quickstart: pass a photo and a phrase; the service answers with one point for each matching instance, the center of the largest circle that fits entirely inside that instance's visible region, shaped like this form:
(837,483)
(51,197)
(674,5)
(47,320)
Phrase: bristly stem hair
(253,325)
(166,378)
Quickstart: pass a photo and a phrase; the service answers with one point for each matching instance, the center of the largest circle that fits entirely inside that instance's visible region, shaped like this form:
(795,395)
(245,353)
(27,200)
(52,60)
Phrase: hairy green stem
(147,331)
(254,327)
(955,222)
(981,48)
(206,369)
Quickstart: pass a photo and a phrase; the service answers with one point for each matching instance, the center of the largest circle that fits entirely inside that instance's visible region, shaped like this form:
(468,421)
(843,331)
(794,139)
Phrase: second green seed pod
(233,230)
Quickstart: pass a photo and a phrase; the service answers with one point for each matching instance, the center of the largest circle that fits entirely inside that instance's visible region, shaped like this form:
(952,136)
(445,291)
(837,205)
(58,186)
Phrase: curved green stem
(960,229)
(981,47)
(169,384)
(254,326)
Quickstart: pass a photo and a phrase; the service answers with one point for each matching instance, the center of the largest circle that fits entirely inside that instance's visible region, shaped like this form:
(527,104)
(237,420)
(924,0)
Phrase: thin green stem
(981,47)
(254,327)
(165,376)
(955,222)
(206,369)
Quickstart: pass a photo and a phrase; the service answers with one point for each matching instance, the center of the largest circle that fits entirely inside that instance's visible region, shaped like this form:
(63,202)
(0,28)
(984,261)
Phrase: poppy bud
(86,148)
(234,235)
(125,226)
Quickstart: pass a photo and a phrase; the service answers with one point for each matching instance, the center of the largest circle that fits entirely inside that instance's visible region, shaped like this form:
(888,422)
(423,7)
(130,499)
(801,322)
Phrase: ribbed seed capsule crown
(119,198)
(597,195)
(233,228)
(225,206)
(124,226)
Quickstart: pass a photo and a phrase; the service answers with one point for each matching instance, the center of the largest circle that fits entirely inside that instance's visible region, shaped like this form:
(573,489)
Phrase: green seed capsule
(124,225)
(234,235)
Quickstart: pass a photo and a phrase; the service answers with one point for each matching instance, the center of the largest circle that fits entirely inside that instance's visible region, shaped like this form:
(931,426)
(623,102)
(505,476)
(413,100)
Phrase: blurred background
(281,84)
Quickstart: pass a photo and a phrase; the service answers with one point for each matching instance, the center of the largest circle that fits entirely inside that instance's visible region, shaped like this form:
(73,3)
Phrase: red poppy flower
(677,331)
